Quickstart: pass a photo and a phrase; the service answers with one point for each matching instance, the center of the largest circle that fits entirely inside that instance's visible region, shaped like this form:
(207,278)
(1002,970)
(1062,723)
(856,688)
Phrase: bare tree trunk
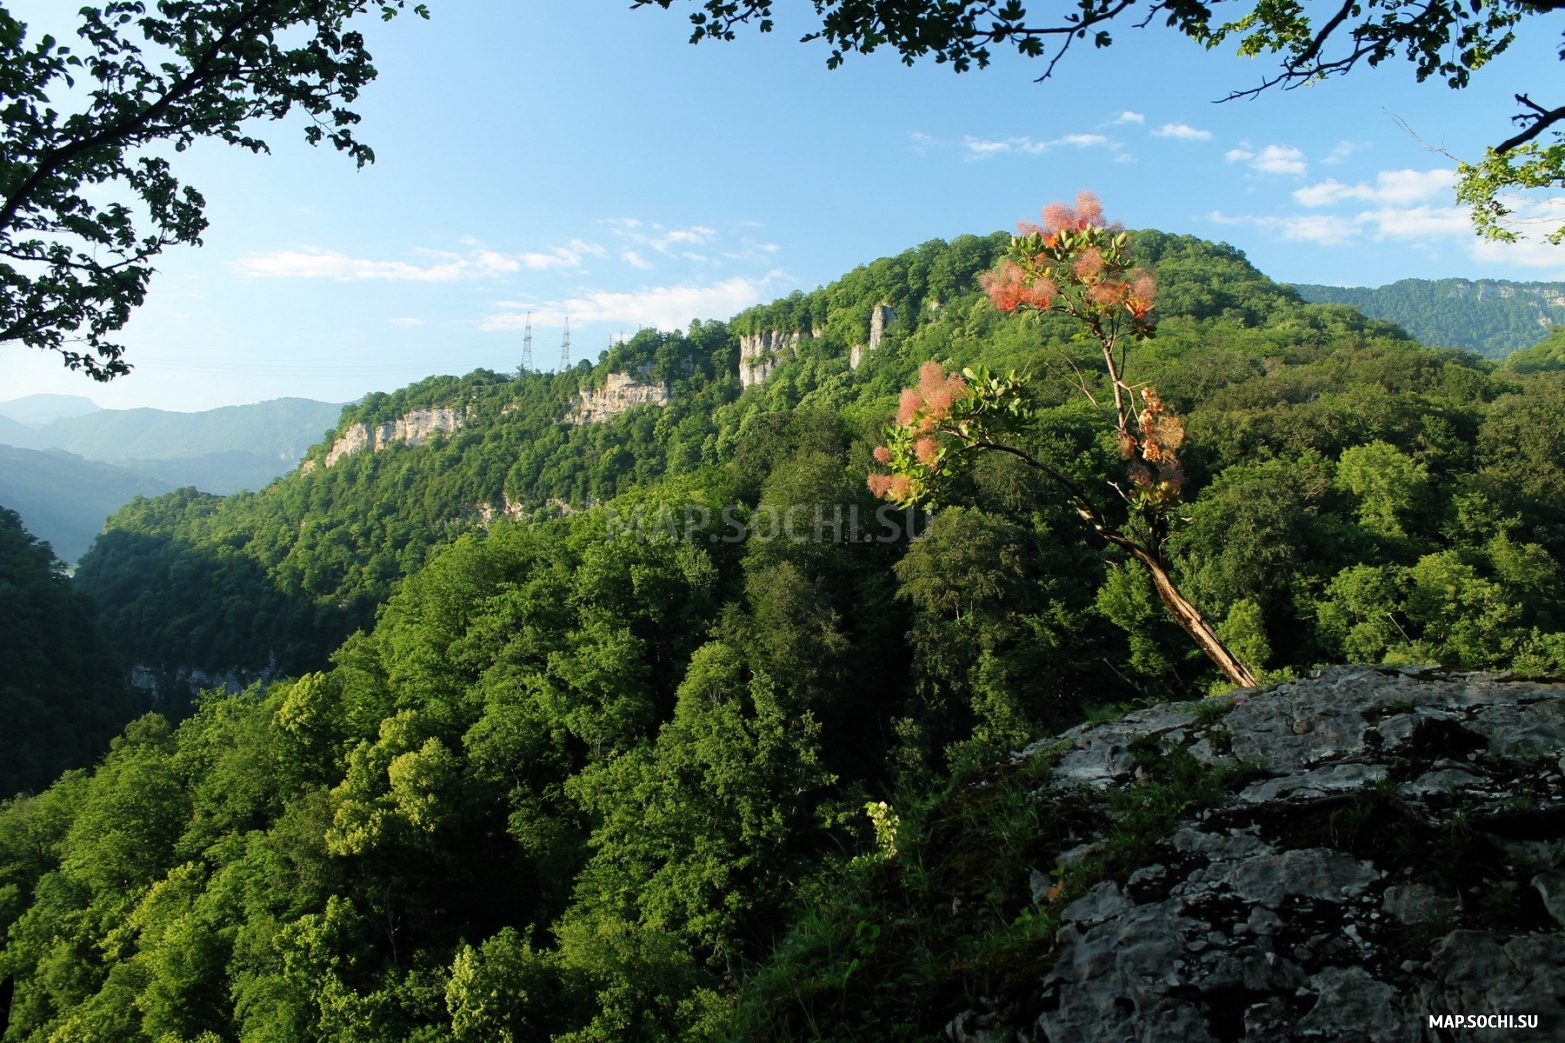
(1189,618)
(1192,621)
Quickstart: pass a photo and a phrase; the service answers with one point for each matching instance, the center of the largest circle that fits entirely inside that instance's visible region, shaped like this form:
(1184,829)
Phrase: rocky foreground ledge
(1398,852)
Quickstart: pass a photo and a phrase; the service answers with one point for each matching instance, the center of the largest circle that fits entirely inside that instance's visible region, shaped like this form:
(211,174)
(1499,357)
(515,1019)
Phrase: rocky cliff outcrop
(1397,853)
(619,392)
(761,353)
(881,316)
(414,428)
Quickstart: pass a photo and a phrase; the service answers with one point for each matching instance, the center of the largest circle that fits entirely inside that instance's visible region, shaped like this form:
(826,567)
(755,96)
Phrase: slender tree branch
(126,127)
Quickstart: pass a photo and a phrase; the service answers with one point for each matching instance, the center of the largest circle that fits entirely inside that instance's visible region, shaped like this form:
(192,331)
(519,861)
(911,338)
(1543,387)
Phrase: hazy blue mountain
(15,433)
(221,473)
(66,465)
(64,499)
(281,429)
(40,409)
(1493,317)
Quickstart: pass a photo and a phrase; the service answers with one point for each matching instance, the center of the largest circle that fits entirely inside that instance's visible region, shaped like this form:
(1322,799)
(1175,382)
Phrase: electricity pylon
(527,345)
(565,348)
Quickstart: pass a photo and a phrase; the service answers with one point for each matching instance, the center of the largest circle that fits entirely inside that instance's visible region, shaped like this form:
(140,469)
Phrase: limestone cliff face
(414,428)
(881,316)
(621,391)
(761,353)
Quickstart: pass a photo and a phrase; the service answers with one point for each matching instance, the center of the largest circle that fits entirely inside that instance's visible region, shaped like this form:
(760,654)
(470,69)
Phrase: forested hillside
(1493,317)
(62,696)
(535,772)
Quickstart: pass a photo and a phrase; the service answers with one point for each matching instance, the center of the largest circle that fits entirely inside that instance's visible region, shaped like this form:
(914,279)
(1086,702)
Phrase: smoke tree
(1077,265)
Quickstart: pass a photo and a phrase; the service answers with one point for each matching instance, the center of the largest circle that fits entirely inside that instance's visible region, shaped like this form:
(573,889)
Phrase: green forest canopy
(527,782)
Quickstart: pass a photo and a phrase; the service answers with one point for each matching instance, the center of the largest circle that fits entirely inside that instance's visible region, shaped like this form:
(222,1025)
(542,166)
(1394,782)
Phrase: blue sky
(575,158)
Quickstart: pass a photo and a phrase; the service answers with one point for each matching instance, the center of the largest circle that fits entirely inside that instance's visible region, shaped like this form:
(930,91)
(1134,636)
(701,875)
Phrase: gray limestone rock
(1551,887)
(1417,903)
(1284,914)
(1350,1004)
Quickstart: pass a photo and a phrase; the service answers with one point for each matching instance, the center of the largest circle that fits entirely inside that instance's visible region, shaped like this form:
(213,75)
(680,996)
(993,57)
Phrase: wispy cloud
(1129,117)
(1342,150)
(310,262)
(665,307)
(979,148)
(670,242)
(1182,131)
(1394,187)
(1321,229)
(1273,159)
(562,256)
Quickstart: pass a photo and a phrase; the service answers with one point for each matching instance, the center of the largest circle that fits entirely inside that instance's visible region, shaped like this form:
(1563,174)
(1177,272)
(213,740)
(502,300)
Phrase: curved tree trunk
(1192,621)
(1189,618)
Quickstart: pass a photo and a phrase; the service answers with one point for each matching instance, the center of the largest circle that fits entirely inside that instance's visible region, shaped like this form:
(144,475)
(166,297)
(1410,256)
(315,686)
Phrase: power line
(565,347)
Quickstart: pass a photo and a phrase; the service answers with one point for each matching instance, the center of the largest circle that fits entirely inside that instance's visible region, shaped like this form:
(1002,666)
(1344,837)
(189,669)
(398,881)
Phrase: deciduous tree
(88,201)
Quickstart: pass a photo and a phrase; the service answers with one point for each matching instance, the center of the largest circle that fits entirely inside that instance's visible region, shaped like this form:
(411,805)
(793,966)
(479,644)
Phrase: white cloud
(1393,187)
(634,259)
(1273,159)
(407,322)
(1182,131)
(314,263)
(1129,117)
(665,307)
(1321,229)
(977,148)
(1528,253)
(1420,222)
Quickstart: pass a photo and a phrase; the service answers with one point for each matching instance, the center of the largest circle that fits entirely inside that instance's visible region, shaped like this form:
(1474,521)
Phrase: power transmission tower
(527,345)
(565,348)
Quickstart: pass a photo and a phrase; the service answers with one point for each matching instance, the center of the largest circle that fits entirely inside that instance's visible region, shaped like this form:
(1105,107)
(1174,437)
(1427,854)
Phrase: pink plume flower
(882,454)
(901,487)
(880,485)
(928,452)
(1041,294)
(908,408)
(1089,211)
(1057,216)
(1105,292)
(939,392)
(1005,286)
(1089,265)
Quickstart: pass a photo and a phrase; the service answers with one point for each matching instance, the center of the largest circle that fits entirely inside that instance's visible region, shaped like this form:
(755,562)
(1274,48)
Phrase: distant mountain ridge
(66,464)
(1493,317)
(282,429)
(40,409)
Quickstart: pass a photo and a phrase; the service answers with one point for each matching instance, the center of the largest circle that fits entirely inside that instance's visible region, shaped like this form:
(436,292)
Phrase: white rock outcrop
(881,316)
(760,354)
(414,428)
(621,391)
